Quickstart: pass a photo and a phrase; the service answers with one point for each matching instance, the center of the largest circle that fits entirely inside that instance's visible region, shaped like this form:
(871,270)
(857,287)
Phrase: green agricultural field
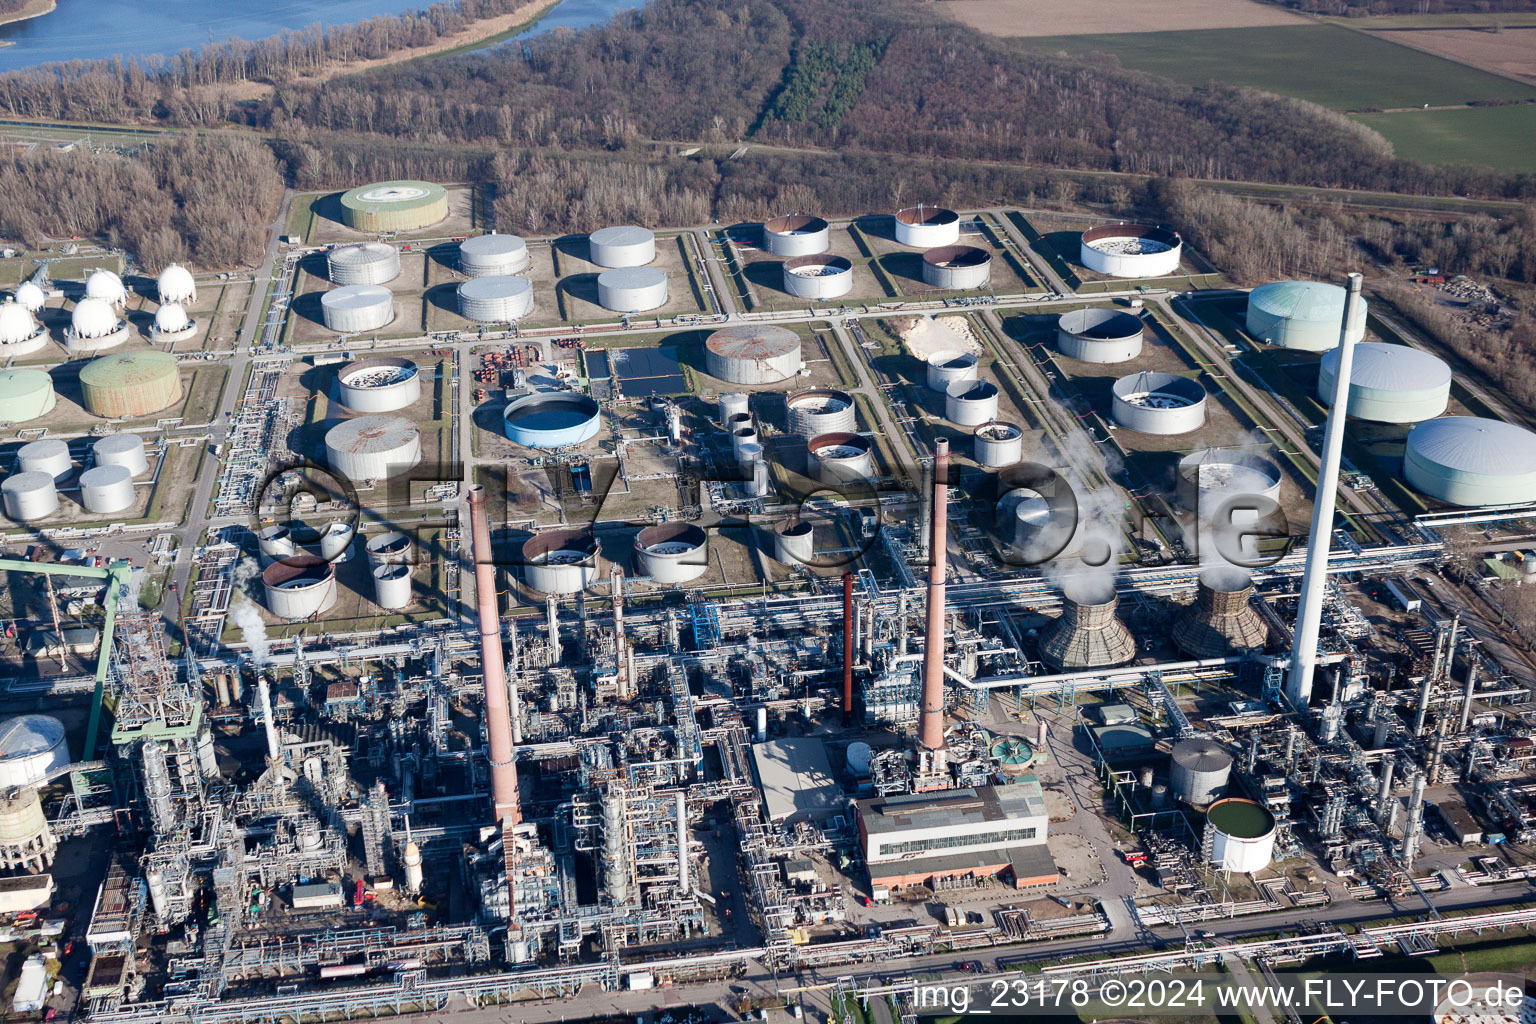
(1327,64)
(1500,137)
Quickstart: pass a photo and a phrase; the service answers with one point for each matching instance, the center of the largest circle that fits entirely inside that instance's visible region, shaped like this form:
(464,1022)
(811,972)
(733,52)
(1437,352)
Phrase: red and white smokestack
(931,729)
(493,666)
(847,648)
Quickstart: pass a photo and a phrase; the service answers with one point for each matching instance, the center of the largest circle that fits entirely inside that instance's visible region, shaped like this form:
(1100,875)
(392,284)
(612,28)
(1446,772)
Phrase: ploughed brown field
(1075,17)
(1510,52)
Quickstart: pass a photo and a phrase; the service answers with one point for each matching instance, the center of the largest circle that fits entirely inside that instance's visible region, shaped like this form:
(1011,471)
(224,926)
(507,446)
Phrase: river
(94,29)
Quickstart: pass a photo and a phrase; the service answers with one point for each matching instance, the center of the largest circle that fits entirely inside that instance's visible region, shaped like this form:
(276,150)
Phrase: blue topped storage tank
(550,419)
(1301,314)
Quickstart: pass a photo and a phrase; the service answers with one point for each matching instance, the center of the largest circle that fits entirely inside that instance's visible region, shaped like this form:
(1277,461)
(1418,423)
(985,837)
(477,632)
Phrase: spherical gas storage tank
(380,384)
(492,255)
(947,366)
(632,289)
(560,561)
(1131,250)
(796,235)
(1158,403)
(840,458)
(126,450)
(363,263)
(819,276)
(106,489)
(1199,771)
(1099,335)
(25,395)
(998,444)
(970,403)
(623,245)
(31,297)
(495,298)
(794,542)
(394,206)
(672,552)
(1214,474)
(29,496)
(31,746)
(924,227)
(131,384)
(1388,383)
(176,284)
(752,354)
(1469,461)
(391,586)
(357,307)
(171,324)
(1303,315)
(94,325)
(550,419)
(50,455)
(1243,835)
(108,287)
(957,268)
(299,586)
(373,447)
(821,411)
(20,333)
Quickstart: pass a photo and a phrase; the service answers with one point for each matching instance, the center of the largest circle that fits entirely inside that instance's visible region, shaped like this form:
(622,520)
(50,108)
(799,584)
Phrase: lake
(95,29)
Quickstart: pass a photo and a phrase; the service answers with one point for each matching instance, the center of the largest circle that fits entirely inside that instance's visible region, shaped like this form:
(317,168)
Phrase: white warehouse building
(988,831)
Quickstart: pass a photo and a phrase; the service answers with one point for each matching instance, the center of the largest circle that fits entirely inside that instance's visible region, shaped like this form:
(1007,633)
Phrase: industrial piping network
(1314,580)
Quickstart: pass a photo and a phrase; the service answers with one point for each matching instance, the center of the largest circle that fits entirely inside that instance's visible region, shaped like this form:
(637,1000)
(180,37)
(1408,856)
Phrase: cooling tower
(1222,621)
(1088,635)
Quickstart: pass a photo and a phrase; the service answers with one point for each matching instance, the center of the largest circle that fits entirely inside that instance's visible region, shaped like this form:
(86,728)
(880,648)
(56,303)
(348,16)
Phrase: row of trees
(206,199)
(1507,357)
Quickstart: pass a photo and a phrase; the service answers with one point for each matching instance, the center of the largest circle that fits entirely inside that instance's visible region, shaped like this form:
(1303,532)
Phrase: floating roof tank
(1222,621)
(1388,383)
(1158,403)
(299,586)
(947,366)
(752,354)
(276,542)
(970,403)
(49,455)
(840,458)
(957,267)
(26,841)
(373,447)
(819,276)
(733,403)
(821,411)
(363,263)
(622,246)
(391,586)
(1213,474)
(1199,770)
(491,255)
(176,284)
(131,384)
(672,553)
(1131,250)
(1099,335)
(796,235)
(29,496)
(793,542)
(125,450)
(380,384)
(336,541)
(1088,634)
(394,206)
(495,298)
(388,549)
(106,489)
(20,333)
(25,395)
(1302,315)
(924,227)
(1469,461)
(550,419)
(998,444)
(560,561)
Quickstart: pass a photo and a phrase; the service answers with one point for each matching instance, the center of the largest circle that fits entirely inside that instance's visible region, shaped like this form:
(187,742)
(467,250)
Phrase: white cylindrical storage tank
(1303,315)
(1131,250)
(998,444)
(106,489)
(947,366)
(49,455)
(363,263)
(1388,383)
(820,276)
(927,226)
(623,246)
(1469,461)
(1158,403)
(392,586)
(1242,835)
(796,235)
(31,746)
(841,457)
(373,447)
(743,438)
(495,299)
(858,757)
(172,323)
(381,384)
(970,403)
(175,284)
(94,326)
(672,552)
(299,587)
(108,287)
(752,354)
(126,450)
(1099,335)
(31,297)
(794,542)
(20,333)
(1199,771)
(957,268)
(755,469)
(388,549)
(357,307)
(336,541)
(29,496)
(732,403)
(632,289)
(276,542)
(821,411)
(1211,475)
(560,561)
(492,255)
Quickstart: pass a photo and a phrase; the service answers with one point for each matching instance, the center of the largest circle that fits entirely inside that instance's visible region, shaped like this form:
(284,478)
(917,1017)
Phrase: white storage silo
(1199,771)
(752,354)
(357,307)
(50,455)
(1388,383)
(363,263)
(794,542)
(31,746)
(632,289)
(492,255)
(125,450)
(29,496)
(388,549)
(1158,403)
(732,403)
(392,586)
(947,366)
(495,299)
(106,489)
(621,246)
(925,227)
(998,444)
(275,542)
(970,403)
(336,541)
